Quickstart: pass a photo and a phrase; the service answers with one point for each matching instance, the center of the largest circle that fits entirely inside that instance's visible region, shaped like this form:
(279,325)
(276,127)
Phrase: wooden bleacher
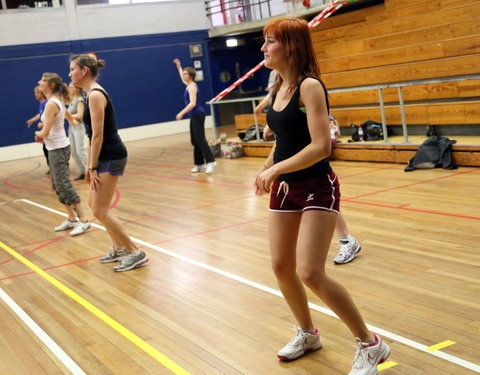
(244,121)
(402,40)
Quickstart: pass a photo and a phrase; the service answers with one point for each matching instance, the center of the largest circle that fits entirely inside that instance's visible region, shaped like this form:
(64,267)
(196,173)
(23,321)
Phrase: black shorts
(319,193)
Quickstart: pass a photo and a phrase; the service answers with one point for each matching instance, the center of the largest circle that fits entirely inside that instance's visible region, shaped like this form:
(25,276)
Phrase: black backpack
(372,131)
(434,152)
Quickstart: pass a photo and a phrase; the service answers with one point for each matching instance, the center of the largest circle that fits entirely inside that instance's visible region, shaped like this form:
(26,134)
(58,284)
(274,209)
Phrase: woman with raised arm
(107,160)
(56,142)
(202,155)
(305,195)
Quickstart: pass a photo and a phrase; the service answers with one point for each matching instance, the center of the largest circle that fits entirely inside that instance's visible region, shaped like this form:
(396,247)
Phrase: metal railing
(381,103)
(231,12)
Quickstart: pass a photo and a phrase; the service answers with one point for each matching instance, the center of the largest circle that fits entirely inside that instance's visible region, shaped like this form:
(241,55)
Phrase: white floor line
(40,333)
(392,336)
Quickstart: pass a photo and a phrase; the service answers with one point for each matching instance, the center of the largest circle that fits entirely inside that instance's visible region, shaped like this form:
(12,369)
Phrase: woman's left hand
(94,180)
(38,139)
(265,180)
(178,117)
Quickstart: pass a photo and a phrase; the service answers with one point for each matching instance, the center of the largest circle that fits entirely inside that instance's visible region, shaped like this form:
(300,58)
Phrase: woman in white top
(76,131)
(58,147)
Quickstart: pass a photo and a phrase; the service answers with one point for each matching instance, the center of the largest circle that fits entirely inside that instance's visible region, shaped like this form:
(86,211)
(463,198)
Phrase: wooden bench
(245,121)
(432,91)
(453,113)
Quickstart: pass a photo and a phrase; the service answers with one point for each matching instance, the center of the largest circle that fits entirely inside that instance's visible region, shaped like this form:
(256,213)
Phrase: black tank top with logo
(292,135)
(112,146)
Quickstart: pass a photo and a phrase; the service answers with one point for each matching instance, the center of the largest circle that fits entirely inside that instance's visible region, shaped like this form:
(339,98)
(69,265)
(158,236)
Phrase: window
(26,4)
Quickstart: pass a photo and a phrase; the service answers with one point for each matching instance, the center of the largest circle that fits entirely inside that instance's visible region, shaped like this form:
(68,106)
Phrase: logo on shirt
(310,197)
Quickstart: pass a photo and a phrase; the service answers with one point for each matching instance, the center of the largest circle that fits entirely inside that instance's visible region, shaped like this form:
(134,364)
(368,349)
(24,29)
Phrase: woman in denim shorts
(305,194)
(107,160)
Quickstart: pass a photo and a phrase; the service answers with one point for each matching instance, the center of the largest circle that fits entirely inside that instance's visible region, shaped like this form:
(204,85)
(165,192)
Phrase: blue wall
(139,75)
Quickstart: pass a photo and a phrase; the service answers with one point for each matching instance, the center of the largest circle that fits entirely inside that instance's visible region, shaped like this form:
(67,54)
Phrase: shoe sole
(286,359)
(357,250)
(113,260)
(134,265)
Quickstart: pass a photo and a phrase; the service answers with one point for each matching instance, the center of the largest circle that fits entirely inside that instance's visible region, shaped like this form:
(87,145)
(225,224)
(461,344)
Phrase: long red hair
(294,35)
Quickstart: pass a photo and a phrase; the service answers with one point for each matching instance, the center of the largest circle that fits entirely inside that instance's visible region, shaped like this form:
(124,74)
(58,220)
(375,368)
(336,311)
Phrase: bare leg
(70,212)
(341,229)
(314,237)
(77,207)
(283,231)
(100,204)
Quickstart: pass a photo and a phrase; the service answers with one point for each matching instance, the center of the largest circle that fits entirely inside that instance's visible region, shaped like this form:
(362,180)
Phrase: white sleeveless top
(57,137)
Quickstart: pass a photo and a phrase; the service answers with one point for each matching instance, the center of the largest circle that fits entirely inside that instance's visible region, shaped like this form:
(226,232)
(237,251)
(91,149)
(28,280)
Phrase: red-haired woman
(304,194)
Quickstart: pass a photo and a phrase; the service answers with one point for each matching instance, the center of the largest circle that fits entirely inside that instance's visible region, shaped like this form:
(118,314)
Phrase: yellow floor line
(441,345)
(176,369)
(386,365)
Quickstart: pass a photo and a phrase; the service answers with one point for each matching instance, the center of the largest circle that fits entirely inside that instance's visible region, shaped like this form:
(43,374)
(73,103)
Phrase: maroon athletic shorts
(319,193)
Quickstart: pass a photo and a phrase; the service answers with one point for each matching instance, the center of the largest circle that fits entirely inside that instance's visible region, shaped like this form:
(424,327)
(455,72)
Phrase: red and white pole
(322,16)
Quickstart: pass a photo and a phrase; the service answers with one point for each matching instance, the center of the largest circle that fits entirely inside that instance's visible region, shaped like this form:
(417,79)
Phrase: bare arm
(180,69)
(33,119)
(192,94)
(262,105)
(80,109)
(96,103)
(259,189)
(312,95)
(51,110)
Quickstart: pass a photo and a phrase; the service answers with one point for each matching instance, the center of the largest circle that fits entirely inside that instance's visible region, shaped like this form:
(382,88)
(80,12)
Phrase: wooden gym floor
(207,302)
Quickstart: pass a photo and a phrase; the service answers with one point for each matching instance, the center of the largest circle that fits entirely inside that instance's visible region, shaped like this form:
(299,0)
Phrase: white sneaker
(347,249)
(368,357)
(67,224)
(210,167)
(197,168)
(303,342)
(80,228)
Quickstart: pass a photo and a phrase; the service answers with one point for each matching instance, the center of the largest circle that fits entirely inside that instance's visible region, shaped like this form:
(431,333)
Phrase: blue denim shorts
(114,167)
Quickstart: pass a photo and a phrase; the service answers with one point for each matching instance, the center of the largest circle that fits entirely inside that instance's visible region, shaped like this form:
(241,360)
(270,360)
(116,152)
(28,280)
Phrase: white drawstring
(283,186)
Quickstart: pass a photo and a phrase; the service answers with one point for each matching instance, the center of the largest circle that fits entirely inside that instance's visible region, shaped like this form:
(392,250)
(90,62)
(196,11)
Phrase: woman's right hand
(177,62)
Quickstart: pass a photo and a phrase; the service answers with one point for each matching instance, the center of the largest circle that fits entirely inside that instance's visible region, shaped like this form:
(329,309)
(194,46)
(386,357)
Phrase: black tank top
(292,135)
(112,146)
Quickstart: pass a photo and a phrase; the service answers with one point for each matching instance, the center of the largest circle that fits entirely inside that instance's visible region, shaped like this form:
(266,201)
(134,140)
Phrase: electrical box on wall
(196,50)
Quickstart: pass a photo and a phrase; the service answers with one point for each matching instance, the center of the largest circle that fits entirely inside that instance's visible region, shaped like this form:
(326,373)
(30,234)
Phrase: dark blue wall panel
(139,76)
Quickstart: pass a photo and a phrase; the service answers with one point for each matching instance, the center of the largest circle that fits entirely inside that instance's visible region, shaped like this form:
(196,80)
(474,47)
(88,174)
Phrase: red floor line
(159,165)
(51,268)
(49,242)
(176,212)
(210,231)
(415,210)
(369,171)
(194,181)
(414,183)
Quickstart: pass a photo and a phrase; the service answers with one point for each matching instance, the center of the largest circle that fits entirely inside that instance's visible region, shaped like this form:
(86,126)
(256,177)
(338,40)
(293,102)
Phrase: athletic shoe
(67,224)
(131,261)
(115,255)
(80,228)
(368,356)
(210,167)
(81,177)
(303,342)
(197,168)
(347,250)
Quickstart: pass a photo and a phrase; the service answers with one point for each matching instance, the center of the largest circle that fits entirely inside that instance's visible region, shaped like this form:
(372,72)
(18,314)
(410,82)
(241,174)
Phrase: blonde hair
(59,87)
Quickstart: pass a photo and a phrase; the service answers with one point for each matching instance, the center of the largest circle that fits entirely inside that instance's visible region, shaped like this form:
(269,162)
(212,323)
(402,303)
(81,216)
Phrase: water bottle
(360,134)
